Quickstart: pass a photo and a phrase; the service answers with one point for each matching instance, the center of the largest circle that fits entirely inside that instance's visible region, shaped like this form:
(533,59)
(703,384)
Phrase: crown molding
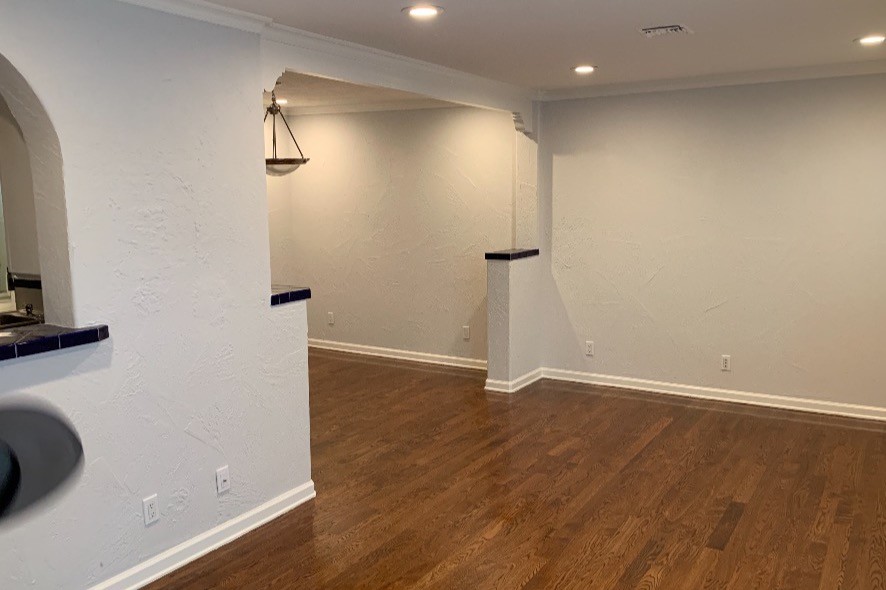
(734,79)
(393,61)
(376,107)
(285,48)
(207,12)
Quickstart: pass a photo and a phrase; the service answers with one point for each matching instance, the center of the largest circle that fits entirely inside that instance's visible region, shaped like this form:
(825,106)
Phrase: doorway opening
(388,221)
(35,275)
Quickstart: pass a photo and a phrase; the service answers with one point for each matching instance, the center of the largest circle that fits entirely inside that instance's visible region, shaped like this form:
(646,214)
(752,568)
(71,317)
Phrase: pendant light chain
(274,164)
(290,135)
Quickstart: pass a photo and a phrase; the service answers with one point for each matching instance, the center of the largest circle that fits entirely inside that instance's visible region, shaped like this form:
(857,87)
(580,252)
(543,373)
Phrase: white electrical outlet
(222,480)
(151,509)
(466,332)
(726,363)
(330,318)
(589,348)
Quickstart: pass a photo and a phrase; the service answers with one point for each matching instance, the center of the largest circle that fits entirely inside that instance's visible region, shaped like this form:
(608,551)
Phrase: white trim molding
(207,12)
(375,107)
(723,395)
(395,353)
(285,48)
(288,49)
(192,549)
(515,385)
(717,80)
(629,383)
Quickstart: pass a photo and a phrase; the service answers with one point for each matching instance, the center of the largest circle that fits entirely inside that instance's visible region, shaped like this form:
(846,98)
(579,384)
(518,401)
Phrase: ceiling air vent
(651,32)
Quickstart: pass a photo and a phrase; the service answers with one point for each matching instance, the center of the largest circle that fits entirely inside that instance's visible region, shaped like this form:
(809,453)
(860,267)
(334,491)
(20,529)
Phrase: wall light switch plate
(151,509)
(726,363)
(222,480)
(466,332)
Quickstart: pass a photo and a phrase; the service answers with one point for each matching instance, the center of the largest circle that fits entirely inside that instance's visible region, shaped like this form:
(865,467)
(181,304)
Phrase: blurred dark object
(10,477)
(39,452)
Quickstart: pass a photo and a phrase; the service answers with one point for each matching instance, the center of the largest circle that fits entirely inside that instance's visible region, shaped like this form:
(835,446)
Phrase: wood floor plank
(726,526)
(425,480)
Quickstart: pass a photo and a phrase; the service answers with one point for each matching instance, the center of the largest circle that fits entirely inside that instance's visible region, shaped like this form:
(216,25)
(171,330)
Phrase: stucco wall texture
(389,221)
(675,227)
(168,245)
(746,221)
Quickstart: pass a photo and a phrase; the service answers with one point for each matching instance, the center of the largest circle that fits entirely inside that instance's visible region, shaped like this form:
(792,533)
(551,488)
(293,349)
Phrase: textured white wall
(389,221)
(525,317)
(526,192)
(498,314)
(515,319)
(743,220)
(18,196)
(159,123)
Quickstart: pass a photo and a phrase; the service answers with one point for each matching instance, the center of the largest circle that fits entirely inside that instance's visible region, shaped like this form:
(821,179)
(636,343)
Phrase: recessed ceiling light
(584,70)
(872,40)
(423,11)
(282,101)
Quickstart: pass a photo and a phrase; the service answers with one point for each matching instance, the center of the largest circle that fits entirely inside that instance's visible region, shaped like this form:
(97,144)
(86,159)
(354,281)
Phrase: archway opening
(389,221)
(36,260)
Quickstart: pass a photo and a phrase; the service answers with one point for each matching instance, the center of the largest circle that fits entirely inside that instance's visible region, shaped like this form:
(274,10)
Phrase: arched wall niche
(49,192)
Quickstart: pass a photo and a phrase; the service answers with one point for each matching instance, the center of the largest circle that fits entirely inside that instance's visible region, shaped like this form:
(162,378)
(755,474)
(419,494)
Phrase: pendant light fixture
(281,166)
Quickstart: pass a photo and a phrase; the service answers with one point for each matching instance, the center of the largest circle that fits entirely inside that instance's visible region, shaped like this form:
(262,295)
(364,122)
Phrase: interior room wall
(389,221)
(526,192)
(745,221)
(167,215)
(18,196)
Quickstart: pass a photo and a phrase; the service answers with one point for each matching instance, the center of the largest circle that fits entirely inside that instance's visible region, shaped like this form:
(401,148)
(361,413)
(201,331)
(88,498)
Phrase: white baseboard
(515,385)
(403,355)
(679,389)
(724,395)
(192,549)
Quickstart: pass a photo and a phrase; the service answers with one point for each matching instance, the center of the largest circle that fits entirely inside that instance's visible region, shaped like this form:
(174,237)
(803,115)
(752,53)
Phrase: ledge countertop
(38,338)
(281,294)
(513,254)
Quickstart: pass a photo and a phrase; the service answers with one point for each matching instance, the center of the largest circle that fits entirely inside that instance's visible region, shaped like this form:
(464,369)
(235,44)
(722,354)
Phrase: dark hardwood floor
(426,481)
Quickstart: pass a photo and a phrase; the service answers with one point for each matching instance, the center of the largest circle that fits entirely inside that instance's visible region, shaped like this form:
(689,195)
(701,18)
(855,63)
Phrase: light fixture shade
(275,166)
(283,166)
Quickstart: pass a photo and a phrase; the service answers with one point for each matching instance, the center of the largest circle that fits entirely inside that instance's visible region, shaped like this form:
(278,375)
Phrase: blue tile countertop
(28,340)
(514,254)
(281,294)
